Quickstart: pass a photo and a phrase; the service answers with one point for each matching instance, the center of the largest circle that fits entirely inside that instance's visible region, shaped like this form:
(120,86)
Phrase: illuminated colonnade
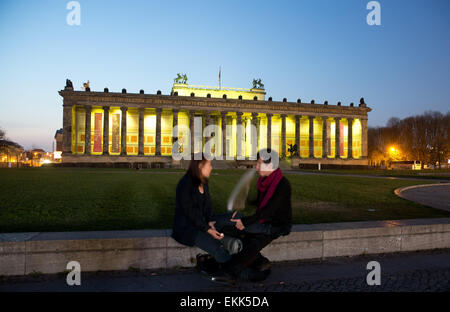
(148,131)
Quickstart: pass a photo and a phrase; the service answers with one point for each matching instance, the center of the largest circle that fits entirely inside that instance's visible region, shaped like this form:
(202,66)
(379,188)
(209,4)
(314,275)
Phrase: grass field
(70,199)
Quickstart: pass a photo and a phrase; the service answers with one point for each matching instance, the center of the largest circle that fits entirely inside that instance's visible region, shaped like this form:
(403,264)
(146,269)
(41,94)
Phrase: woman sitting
(194,218)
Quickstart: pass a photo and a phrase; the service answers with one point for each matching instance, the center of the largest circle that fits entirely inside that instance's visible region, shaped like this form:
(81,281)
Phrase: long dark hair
(194,169)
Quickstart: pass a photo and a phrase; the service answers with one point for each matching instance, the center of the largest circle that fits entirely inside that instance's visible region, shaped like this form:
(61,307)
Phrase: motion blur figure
(272,218)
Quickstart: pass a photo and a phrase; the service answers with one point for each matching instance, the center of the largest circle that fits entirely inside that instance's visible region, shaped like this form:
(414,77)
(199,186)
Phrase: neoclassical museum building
(112,128)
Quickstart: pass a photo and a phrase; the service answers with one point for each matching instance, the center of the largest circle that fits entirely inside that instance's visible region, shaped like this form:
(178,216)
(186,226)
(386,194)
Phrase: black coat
(192,211)
(277,211)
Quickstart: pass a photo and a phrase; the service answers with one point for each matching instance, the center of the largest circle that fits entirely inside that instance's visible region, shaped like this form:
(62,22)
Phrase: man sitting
(272,218)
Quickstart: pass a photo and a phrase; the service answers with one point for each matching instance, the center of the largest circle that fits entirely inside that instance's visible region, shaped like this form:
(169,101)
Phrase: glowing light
(57,155)
(394,153)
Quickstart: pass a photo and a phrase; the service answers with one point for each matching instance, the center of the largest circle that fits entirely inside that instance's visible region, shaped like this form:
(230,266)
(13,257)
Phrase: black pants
(223,224)
(254,239)
(252,245)
(212,246)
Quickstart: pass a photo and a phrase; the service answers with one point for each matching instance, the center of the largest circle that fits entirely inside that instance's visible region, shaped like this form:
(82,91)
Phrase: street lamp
(394,153)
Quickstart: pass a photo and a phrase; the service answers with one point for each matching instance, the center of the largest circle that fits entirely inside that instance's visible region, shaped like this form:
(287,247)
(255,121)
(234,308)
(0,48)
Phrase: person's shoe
(201,263)
(261,264)
(206,264)
(265,265)
(259,276)
(222,277)
(200,258)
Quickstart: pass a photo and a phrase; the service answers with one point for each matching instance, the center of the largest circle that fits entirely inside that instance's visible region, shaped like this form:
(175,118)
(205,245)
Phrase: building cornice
(206,104)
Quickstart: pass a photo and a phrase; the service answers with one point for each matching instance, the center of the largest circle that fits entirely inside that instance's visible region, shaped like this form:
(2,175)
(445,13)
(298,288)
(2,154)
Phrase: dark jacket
(192,211)
(277,211)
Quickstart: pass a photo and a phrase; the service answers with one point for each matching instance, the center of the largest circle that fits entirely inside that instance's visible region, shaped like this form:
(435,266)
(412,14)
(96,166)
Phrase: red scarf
(267,186)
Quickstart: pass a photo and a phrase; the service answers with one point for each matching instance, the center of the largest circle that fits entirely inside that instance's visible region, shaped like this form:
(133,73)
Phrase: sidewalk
(409,271)
(433,195)
(437,180)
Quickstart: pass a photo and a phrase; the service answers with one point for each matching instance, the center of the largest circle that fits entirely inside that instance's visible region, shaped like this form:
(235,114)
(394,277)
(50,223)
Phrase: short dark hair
(267,152)
(194,170)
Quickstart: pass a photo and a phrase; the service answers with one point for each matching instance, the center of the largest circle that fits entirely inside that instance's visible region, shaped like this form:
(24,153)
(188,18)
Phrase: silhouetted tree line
(422,137)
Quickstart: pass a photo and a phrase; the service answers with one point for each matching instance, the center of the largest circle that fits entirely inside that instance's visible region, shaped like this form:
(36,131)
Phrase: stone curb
(398,191)
(49,252)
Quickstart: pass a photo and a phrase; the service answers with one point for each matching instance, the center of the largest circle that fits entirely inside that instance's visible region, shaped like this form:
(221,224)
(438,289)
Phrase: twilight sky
(310,49)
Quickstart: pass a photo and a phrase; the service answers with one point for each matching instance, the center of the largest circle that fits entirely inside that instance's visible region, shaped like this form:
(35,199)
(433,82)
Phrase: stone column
(105,130)
(158,131)
(337,137)
(325,149)
(67,129)
(87,131)
(191,129)
(297,133)
(269,130)
(239,134)
(283,135)
(311,136)
(350,137)
(208,120)
(254,139)
(123,132)
(141,131)
(224,134)
(364,138)
(174,124)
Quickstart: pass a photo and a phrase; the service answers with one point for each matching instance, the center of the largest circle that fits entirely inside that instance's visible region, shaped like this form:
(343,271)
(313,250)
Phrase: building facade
(138,127)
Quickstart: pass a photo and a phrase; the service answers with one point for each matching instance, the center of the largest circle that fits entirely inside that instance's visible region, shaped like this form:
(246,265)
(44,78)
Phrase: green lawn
(69,199)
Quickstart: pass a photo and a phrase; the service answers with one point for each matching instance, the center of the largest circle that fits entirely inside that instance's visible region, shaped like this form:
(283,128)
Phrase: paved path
(433,195)
(412,271)
(369,176)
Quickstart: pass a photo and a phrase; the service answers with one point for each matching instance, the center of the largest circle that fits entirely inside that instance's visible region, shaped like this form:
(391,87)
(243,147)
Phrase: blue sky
(321,50)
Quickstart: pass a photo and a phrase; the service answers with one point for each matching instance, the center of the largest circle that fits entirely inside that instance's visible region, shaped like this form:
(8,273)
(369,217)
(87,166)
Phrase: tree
(423,137)
(377,141)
